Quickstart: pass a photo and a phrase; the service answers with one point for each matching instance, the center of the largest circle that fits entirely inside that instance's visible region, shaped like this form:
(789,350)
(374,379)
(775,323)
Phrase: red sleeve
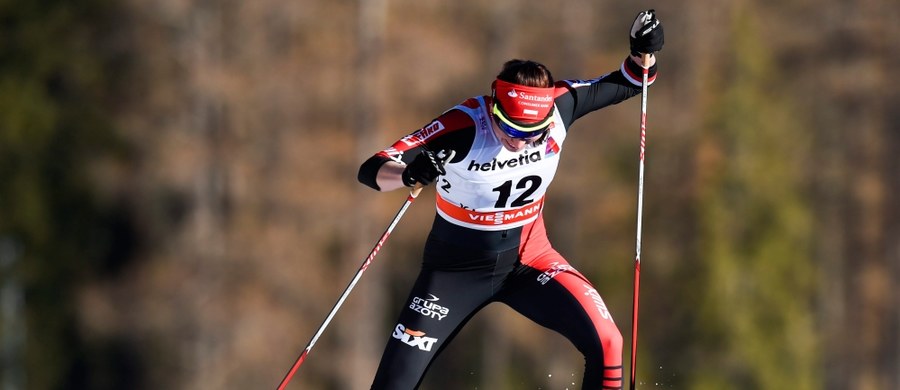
(452,130)
(435,136)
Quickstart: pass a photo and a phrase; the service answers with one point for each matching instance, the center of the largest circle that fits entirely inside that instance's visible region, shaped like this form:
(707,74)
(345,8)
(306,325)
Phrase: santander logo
(524,96)
(536,98)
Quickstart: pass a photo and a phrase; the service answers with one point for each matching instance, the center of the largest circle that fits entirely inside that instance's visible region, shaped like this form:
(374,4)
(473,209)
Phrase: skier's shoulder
(454,129)
(458,118)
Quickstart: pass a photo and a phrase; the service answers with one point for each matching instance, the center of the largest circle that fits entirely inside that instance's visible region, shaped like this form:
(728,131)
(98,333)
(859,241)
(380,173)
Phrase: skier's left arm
(580,97)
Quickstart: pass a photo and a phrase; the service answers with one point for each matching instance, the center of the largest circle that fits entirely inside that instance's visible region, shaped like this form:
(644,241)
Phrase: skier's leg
(553,294)
(437,307)
(454,284)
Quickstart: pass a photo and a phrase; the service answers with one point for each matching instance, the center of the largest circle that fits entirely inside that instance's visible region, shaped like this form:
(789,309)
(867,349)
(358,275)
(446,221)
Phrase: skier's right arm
(413,159)
(389,176)
(392,175)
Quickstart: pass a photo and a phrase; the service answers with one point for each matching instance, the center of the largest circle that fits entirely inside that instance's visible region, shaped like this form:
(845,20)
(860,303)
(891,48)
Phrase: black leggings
(516,267)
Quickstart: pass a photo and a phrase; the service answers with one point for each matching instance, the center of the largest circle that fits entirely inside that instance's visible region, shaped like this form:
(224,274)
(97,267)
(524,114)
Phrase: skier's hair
(526,72)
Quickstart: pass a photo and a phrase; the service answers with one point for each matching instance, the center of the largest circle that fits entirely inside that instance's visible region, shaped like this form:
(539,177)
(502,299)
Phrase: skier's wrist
(632,70)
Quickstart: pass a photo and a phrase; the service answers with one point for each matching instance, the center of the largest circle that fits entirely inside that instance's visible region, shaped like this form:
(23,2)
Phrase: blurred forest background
(180,207)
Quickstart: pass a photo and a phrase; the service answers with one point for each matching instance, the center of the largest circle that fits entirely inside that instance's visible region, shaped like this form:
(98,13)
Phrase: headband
(522,107)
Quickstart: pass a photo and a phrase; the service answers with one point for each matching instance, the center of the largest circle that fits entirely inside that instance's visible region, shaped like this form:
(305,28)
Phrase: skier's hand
(646,34)
(426,167)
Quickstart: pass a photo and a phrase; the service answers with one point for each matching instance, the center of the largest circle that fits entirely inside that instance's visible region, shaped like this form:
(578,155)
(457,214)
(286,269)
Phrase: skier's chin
(513,148)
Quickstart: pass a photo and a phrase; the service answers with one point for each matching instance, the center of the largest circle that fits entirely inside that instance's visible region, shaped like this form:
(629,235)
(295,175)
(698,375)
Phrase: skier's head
(523,98)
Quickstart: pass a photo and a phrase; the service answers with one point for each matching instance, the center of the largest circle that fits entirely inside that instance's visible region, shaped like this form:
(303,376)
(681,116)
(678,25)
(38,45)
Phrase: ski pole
(409,199)
(640,211)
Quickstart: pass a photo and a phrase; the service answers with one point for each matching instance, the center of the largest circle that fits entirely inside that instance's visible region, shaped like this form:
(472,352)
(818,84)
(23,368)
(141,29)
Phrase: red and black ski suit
(469,263)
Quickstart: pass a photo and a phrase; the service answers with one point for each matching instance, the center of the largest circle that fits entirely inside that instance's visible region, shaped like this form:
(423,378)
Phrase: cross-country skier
(492,159)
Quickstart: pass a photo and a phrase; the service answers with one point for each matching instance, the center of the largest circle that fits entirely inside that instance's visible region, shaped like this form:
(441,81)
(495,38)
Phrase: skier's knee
(611,340)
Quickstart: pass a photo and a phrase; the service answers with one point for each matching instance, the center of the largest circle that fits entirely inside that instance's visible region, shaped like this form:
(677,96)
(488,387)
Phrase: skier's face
(513,144)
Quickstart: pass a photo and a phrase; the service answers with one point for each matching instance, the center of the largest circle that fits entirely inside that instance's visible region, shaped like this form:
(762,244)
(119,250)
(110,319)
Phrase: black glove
(646,34)
(424,169)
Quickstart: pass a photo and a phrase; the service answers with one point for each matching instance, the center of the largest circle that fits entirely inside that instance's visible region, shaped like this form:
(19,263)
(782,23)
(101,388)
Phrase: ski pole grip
(646,58)
(414,192)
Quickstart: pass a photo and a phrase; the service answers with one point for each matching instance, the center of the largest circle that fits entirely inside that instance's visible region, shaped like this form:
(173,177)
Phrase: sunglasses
(519,132)
(513,133)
